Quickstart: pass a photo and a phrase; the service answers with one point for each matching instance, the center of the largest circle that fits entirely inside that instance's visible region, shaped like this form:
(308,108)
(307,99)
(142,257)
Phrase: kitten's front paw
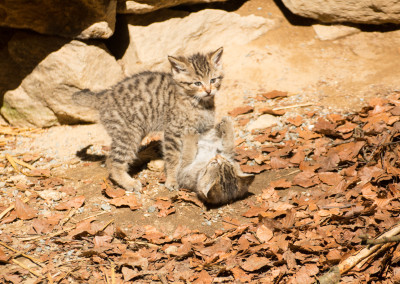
(225,126)
(171,184)
(128,183)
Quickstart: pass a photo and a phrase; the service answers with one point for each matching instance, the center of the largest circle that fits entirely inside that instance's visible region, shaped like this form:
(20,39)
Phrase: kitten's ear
(216,57)
(178,66)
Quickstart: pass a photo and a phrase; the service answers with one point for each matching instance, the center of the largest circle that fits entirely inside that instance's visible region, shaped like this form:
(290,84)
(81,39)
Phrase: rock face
(145,6)
(185,33)
(73,19)
(354,11)
(43,98)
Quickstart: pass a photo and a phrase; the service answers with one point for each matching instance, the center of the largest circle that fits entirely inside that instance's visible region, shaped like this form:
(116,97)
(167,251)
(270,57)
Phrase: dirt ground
(331,77)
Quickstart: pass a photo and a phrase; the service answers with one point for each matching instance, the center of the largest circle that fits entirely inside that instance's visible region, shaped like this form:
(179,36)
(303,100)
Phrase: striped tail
(86,98)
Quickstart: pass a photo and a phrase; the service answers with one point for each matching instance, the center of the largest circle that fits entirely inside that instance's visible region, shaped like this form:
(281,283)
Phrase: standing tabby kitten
(208,167)
(177,103)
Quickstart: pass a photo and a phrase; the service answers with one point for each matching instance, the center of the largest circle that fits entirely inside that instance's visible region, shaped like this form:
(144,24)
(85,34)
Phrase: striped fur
(207,166)
(155,101)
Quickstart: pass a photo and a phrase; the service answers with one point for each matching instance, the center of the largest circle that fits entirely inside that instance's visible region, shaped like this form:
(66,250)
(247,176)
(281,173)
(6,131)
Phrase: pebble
(264,121)
(151,209)
(105,207)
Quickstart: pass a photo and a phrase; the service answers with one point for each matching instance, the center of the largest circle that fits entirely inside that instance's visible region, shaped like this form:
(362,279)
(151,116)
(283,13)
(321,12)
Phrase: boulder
(353,11)
(145,6)
(333,32)
(43,98)
(81,19)
(184,33)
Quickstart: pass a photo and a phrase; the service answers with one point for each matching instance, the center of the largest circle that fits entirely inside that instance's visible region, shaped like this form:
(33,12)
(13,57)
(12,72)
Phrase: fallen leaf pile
(336,186)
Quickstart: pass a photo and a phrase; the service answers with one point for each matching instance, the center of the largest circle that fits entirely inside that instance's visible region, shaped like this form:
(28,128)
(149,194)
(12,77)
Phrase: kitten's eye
(213,80)
(198,84)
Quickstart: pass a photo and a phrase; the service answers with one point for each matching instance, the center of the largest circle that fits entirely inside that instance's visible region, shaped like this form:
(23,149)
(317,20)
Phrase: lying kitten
(208,167)
(176,103)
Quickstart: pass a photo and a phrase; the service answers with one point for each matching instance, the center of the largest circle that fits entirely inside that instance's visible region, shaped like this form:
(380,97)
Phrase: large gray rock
(145,6)
(186,33)
(354,11)
(73,19)
(43,98)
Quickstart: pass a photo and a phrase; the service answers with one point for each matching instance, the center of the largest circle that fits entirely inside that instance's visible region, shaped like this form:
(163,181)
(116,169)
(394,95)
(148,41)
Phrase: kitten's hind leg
(189,149)
(119,173)
(227,133)
(172,145)
(124,151)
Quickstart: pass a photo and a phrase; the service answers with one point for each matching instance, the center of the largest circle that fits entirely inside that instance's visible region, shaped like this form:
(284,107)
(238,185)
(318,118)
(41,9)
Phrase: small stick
(233,224)
(12,162)
(382,240)
(113,273)
(71,212)
(291,173)
(38,262)
(27,268)
(48,236)
(69,272)
(22,163)
(106,225)
(292,106)
(144,243)
(367,259)
(92,216)
(11,207)
(105,274)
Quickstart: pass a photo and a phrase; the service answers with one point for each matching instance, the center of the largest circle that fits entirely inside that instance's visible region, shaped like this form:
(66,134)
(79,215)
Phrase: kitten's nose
(207,90)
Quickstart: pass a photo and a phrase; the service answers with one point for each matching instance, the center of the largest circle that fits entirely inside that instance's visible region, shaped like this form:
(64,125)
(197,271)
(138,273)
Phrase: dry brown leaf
(275,94)
(254,169)
(111,191)
(24,211)
(75,202)
(203,278)
(133,259)
(268,110)
(307,134)
(280,183)
(306,179)
(254,212)
(154,236)
(330,178)
(254,263)
(279,163)
(102,242)
(165,207)
(298,157)
(240,110)
(264,234)
(129,201)
(296,121)
(3,257)
(325,127)
(188,197)
(240,275)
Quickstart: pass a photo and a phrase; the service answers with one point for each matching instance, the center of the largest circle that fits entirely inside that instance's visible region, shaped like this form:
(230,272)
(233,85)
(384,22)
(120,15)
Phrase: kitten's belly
(207,150)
